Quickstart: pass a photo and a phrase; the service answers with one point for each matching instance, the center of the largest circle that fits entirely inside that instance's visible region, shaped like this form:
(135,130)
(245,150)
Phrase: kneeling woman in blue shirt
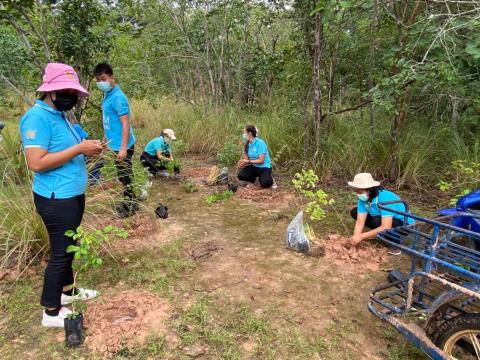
(368,214)
(55,153)
(256,161)
(158,153)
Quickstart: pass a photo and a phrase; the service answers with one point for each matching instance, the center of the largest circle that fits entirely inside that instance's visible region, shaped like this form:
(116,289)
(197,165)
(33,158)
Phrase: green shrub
(219,196)
(180,147)
(229,154)
(189,186)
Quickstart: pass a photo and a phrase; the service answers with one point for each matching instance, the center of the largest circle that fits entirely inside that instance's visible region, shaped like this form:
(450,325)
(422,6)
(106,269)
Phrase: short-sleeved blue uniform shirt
(157,144)
(383,196)
(114,105)
(44,127)
(257,148)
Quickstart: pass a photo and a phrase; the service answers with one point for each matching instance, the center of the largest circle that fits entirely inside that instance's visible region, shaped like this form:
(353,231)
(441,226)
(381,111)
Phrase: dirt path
(216,282)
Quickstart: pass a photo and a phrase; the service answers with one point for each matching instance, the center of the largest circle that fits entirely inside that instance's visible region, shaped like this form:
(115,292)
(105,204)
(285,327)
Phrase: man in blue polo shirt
(118,131)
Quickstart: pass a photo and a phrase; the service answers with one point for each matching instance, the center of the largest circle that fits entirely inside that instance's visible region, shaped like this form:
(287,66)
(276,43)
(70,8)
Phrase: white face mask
(245,137)
(363,196)
(167,140)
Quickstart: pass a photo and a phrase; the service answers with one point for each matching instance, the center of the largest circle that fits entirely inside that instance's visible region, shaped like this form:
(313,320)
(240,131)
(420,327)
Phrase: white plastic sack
(296,237)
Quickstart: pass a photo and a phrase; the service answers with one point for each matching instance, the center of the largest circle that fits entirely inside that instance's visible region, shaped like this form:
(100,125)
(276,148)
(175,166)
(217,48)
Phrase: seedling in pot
(87,255)
(305,183)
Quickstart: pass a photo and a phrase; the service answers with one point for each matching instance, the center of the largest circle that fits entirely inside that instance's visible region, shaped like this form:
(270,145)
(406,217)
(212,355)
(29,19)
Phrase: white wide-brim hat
(363,181)
(169,133)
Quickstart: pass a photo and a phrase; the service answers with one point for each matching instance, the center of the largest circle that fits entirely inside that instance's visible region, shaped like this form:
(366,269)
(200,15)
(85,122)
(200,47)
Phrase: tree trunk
(373,48)
(317,91)
(396,126)
(406,20)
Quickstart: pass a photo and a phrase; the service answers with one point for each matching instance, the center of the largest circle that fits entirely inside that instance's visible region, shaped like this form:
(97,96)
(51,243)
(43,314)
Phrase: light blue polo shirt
(383,196)
(257,148)
(80,131)
(157,144)
(44,127)
(114,105)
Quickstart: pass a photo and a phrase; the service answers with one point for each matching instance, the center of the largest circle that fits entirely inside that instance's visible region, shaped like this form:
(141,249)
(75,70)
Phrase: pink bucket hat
(60,77)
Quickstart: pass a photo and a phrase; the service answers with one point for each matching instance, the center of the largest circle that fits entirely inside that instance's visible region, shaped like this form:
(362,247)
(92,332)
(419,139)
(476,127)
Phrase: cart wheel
(459,337)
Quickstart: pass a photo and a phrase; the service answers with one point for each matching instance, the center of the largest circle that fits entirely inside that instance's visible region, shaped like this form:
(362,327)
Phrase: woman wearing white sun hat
(158,153)
(368,214)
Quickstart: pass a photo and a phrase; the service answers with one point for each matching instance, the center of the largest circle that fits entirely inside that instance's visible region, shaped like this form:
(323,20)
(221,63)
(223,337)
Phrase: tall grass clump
(23,237)
(207,131)
(348,144)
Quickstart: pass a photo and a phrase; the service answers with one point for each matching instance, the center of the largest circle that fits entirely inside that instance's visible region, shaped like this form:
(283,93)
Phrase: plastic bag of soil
(296,237)
(161,211)
(74,333)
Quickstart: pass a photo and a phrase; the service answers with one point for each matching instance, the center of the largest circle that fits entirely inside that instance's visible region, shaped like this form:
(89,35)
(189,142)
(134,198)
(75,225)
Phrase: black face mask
(65,101)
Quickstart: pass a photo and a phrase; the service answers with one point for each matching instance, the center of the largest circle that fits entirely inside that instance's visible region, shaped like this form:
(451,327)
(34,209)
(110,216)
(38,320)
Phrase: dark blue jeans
(58,215)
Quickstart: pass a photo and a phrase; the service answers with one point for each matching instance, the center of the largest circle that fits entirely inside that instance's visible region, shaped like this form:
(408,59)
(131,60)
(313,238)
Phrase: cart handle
(425,220)
(383,207)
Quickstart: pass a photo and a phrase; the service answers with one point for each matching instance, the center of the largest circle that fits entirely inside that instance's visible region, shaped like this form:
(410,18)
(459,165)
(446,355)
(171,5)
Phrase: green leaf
(69,233)
(72,248)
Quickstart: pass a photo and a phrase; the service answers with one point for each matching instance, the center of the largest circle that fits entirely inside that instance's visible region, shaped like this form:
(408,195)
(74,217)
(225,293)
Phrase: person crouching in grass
(256,161)
(367,213)
(158,154)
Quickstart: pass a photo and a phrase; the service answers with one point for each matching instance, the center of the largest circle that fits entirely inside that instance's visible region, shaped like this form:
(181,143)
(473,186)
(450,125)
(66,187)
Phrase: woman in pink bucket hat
(55,153)
(367,213)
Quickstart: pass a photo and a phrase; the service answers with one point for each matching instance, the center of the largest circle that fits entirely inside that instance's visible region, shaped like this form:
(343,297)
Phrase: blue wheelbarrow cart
(435,303)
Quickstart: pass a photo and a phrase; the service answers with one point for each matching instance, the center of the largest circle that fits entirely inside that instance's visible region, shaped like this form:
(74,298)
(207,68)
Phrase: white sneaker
(164,173)
(83,294)
(274,185)
(56,321)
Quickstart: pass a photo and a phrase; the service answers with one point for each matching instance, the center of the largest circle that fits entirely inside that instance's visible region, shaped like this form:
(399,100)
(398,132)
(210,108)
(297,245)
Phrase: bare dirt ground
(367,255)
(124,320)
(278,198)
(216,282)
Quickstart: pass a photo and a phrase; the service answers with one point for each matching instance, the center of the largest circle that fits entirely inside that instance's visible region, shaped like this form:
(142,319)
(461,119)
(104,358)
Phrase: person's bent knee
(266,183)
(243,177)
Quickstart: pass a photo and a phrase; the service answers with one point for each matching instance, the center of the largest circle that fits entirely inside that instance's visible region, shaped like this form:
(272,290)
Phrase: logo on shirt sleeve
(31,134)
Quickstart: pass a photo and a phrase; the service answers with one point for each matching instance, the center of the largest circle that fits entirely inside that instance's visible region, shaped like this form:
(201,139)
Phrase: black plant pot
(74,335)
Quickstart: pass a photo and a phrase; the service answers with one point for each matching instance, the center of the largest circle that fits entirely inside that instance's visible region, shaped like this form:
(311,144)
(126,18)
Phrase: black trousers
(125,173)
(153,164)
(251,172)
(373,222)
(58,215)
